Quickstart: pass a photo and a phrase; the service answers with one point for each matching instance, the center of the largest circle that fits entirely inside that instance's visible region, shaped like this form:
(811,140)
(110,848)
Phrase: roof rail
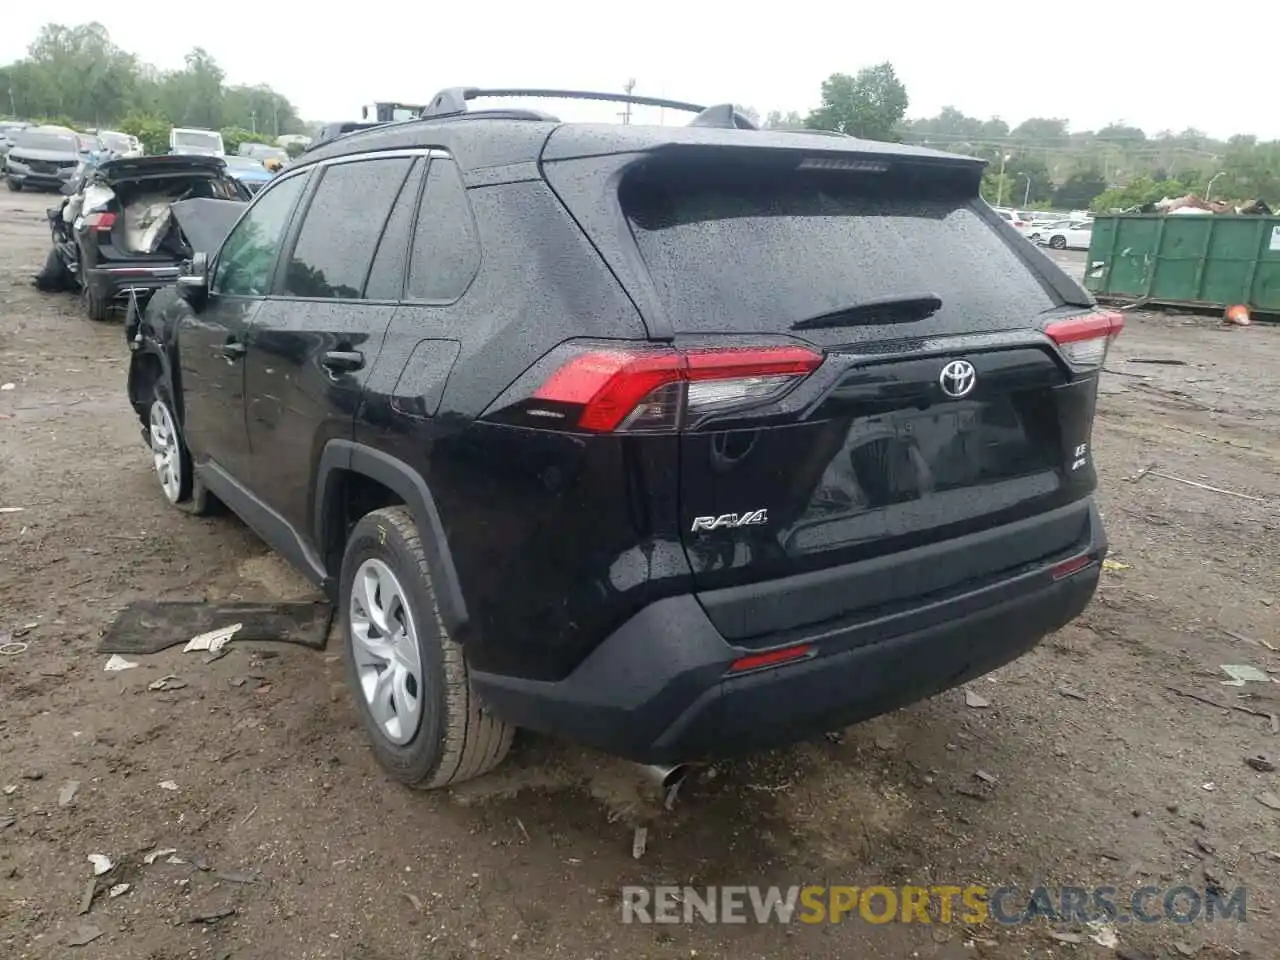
(453,101)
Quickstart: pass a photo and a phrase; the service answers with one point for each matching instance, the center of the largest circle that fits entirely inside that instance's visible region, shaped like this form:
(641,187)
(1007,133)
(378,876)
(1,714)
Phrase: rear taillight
(101,221)
(649,389)
(1084,340)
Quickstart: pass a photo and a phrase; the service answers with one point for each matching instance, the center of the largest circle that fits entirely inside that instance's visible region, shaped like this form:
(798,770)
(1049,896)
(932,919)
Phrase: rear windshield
(735,252)
(64,142)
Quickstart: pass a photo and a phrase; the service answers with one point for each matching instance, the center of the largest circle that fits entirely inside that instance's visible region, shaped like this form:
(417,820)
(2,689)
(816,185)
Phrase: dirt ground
(1092,771)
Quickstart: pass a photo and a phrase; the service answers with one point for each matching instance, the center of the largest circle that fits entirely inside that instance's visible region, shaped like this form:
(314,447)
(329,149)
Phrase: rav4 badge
(750,519)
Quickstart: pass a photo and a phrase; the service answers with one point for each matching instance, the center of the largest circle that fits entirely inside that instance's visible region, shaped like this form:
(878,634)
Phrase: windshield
(198,139)
(61,142)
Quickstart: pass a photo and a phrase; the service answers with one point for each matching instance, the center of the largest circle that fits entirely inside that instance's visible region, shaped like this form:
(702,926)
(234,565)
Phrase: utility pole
(253,120)
(626,114)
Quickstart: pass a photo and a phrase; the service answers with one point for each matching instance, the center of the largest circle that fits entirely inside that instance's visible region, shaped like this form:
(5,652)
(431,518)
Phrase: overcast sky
(330,59)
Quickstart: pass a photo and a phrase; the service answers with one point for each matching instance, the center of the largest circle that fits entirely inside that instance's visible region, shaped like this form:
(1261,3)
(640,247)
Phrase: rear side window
(343,223)
(386,277)
(446,250)
(737,251)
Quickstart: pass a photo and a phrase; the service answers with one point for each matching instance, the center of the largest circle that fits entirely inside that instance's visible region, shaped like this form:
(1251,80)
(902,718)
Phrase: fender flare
(398,476)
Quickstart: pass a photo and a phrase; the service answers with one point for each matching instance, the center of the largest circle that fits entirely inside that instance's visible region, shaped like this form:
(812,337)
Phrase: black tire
(95,308)
(54,277)
(456,739)
(14,185)
(193,496)
(1058,242)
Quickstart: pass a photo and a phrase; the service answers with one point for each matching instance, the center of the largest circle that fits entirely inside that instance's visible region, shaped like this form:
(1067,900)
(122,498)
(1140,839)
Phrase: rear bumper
(115,281)
(659,690)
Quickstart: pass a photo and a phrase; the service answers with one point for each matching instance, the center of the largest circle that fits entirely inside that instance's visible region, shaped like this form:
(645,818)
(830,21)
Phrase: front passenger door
(212,338)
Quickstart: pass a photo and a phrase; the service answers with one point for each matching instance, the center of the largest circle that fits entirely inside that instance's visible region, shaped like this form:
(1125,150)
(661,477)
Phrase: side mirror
(193,284)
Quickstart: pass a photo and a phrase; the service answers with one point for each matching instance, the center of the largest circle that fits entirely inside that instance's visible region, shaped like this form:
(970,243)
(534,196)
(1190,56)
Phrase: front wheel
(1058,242)
(95,308)
(410,678)
(15,185)
(171,459)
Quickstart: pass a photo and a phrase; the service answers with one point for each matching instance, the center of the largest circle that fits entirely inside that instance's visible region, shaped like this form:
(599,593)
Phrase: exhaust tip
(666,776)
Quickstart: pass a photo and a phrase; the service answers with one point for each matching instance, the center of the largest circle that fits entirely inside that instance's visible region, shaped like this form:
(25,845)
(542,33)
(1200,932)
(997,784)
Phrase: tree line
(1041,162)
(79,77)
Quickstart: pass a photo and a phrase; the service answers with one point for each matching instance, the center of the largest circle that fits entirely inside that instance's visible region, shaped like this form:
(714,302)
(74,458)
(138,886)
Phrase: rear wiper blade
(907,309)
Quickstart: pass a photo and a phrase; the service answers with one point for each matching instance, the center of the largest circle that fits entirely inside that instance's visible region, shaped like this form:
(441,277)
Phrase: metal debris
(1116,565)
(985,777)
(639,841)
(68,792)
(1261,763)
(162,683)
(86,899)
(975,700)
(233,877)
(12,509)
(117,662)
(101,863)
(1066,937)
(1185,948)
(417,904)
(212,916)
(155,855)
(119,890)
(83,933)
(1242,673)
(214,640)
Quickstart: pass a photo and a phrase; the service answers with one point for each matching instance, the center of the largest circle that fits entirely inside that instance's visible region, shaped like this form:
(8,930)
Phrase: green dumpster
(1205,260)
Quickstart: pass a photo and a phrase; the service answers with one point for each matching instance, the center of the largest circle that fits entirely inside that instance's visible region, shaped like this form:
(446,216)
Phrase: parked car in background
(196,142)
(115,234)
(9,129)
(120,144)
(42,158)
(1068,235)
(273,158)
(1038,227)
(252,173)
(1018,219)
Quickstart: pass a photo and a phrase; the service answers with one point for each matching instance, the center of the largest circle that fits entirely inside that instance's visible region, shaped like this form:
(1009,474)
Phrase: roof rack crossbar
(454,99)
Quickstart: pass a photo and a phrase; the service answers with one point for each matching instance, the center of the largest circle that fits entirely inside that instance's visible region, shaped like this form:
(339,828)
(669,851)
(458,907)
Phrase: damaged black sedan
(117,236)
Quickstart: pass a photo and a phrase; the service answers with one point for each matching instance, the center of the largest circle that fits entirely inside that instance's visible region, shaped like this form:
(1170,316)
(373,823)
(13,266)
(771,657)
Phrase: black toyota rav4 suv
(676,441)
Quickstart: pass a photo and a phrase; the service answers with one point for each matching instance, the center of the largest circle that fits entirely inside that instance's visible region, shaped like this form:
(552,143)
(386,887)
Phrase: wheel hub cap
(384,643)
(164,451)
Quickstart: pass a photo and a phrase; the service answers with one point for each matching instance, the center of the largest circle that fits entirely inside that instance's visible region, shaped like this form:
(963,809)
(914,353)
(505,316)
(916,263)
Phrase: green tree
(152,131)
(1040,130)
(777,120)
(192,96)
(869,105)
(1079,190)
(1137,193)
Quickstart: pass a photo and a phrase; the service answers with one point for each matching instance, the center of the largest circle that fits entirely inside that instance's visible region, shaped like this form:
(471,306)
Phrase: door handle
(233,350)
(342,361)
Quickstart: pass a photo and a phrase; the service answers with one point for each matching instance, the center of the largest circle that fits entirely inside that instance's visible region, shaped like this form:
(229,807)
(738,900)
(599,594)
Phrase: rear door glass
(344,220)
(741,253)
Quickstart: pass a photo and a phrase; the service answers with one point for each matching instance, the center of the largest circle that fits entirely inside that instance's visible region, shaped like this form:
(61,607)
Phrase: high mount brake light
(101,221)
(647,389)
(1084,340)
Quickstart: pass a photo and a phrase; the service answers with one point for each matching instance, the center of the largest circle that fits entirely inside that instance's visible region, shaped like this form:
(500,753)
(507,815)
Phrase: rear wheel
(95,308)
(1058,242)
(409,677)
(15,185)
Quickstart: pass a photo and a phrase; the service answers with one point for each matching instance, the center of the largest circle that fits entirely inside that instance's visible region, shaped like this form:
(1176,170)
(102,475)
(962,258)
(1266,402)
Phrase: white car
(1018,219)
(1067,235)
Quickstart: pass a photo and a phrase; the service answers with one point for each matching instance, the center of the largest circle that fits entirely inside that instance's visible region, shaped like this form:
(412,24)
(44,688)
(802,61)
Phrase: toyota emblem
(957,379)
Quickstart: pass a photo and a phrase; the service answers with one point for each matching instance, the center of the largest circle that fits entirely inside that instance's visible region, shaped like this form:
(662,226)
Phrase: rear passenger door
(425,336)
(315,339)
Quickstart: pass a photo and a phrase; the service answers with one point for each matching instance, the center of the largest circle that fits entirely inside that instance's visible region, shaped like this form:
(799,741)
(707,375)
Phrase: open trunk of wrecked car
(119,235)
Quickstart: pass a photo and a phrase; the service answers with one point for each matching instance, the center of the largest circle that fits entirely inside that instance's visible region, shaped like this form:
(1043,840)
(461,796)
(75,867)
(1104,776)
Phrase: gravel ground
(1092,772)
